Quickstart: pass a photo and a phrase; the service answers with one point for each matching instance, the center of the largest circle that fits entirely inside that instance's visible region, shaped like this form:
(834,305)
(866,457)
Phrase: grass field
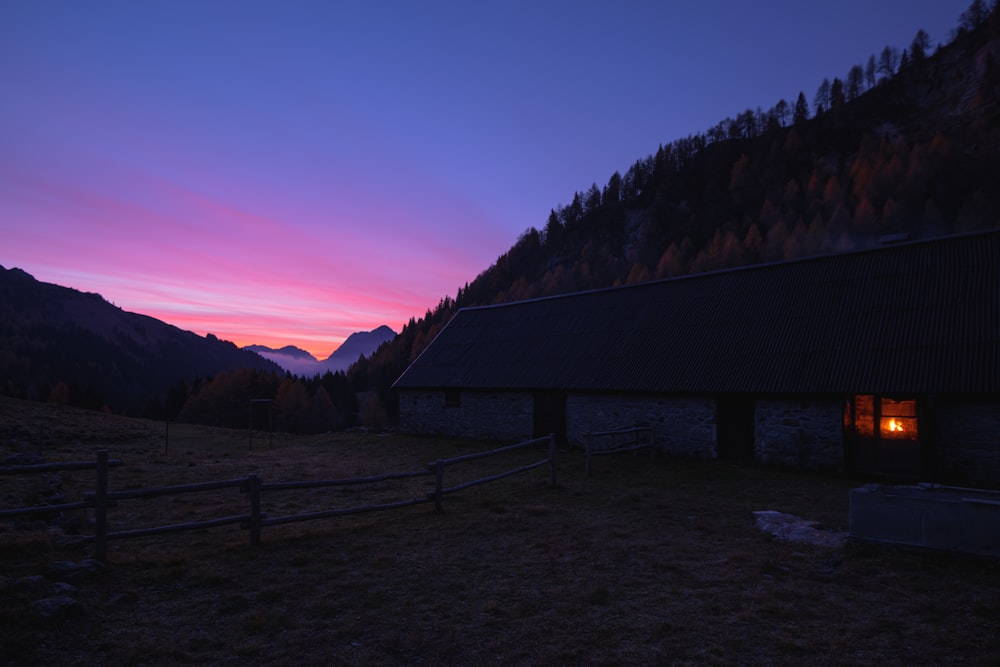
(642,563)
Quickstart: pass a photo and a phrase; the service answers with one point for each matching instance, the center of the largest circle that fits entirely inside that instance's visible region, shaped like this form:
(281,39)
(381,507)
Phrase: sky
(290,172)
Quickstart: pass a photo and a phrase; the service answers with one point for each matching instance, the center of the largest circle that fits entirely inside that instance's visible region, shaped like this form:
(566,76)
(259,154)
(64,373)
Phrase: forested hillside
(65,346)
(906,144)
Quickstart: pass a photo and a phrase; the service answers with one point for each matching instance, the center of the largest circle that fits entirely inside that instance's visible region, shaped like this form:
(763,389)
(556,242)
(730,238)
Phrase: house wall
(682,427)
(968,438)
(797,433)
(506,416)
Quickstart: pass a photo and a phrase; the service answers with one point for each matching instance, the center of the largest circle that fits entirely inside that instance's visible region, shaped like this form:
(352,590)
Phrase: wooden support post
(253,488)
(552,456)
(438,467)
(101,507)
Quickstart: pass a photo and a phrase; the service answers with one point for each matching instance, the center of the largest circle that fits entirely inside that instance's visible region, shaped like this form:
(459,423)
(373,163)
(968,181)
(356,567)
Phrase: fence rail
(101,466)
(617,441)
(102,499)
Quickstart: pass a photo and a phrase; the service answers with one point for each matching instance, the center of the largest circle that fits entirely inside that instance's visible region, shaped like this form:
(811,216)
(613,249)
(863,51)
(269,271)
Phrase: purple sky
(292,172)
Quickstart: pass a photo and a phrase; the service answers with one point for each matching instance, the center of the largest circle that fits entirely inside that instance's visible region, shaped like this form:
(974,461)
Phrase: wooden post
(101,507)
(552,456)
(250,424)
(166,436)
(438,484)
(588,443)
(253,488)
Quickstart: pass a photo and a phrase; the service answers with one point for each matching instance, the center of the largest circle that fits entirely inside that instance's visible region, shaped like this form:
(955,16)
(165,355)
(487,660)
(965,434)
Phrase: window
(864,416)
(452,398)
(896,418)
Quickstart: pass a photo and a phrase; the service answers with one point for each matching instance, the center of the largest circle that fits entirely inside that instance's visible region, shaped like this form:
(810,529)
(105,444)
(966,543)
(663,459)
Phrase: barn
(883,362)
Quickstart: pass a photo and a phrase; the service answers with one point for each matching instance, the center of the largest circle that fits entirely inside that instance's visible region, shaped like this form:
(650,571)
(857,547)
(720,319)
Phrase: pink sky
(249,266)
(290,173)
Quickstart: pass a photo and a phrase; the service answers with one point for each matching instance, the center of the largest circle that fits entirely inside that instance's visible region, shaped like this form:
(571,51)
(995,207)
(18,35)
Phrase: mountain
(57,343)
(299,362)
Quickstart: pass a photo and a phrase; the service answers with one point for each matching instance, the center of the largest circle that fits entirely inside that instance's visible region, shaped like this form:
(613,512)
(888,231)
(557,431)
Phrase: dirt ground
(644,562)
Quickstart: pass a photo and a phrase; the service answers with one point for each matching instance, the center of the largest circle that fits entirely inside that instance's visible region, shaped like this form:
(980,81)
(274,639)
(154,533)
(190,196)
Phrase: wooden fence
(101,465)
(255,519)
(622,440)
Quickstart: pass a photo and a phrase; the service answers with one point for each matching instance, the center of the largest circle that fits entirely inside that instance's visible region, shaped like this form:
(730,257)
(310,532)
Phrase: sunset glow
(288,174)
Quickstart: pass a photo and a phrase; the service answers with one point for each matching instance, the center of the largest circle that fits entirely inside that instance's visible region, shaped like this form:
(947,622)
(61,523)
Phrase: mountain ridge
(66,345)
(300,362)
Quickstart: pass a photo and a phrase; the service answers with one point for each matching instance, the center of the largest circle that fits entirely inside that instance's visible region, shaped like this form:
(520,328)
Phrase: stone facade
(968,439)
(798,433)
(483,415)
(683,427)
(801,433)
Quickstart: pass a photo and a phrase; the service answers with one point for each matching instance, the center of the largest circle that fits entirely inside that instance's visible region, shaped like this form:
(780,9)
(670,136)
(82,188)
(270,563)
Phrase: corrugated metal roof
(921,317)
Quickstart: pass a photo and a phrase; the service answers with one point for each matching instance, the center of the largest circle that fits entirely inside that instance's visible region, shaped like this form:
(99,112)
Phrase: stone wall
(796,433)
(682,427)
(503,416)
(968,437)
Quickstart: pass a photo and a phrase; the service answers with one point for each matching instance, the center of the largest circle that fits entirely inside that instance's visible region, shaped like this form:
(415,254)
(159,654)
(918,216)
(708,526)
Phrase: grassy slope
(642,563)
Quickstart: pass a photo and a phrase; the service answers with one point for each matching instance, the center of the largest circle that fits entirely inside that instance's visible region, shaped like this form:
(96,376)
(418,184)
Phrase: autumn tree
(975,15)
(781,112)
(920,46)
(821,101)
(888,62)
(837,96)
(855,82)
(801,113)
(613,190)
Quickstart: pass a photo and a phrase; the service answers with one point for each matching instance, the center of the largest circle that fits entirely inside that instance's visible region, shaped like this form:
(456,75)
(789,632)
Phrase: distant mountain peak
(299,362)
(362,343)
(286,351)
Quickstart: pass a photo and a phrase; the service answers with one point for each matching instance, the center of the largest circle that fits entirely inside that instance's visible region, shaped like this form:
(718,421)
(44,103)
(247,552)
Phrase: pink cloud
(309,276)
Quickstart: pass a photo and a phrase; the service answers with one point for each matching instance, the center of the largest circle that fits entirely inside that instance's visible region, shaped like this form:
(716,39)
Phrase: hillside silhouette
(904,145)
(65,346)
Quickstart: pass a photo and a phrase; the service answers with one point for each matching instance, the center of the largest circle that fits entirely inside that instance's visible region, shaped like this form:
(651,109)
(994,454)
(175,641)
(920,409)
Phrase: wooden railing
(101,465)
(255,519)
(621,440)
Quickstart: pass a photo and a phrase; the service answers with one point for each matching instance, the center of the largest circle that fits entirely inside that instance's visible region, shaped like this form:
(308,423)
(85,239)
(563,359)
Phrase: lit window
(898,420)
(864,416)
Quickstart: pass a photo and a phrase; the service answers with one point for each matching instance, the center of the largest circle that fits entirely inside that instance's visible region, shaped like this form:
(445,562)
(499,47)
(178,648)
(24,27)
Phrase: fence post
(587,445)
(253,488)
(438,484)
(552,456)
(101,507)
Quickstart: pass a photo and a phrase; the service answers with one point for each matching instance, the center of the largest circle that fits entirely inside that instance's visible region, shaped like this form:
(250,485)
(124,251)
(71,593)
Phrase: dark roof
(920,317)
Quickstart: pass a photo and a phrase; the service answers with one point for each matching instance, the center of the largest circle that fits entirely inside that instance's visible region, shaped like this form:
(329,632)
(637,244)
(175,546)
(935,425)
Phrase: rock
(58,606)
(65,570)
(62,588)
(790,528)
(35,583)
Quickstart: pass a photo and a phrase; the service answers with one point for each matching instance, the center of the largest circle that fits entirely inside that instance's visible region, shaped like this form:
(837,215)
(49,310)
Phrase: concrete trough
(928,516)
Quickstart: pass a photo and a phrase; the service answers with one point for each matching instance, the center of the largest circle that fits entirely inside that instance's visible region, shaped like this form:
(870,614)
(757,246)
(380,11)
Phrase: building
(883,362)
